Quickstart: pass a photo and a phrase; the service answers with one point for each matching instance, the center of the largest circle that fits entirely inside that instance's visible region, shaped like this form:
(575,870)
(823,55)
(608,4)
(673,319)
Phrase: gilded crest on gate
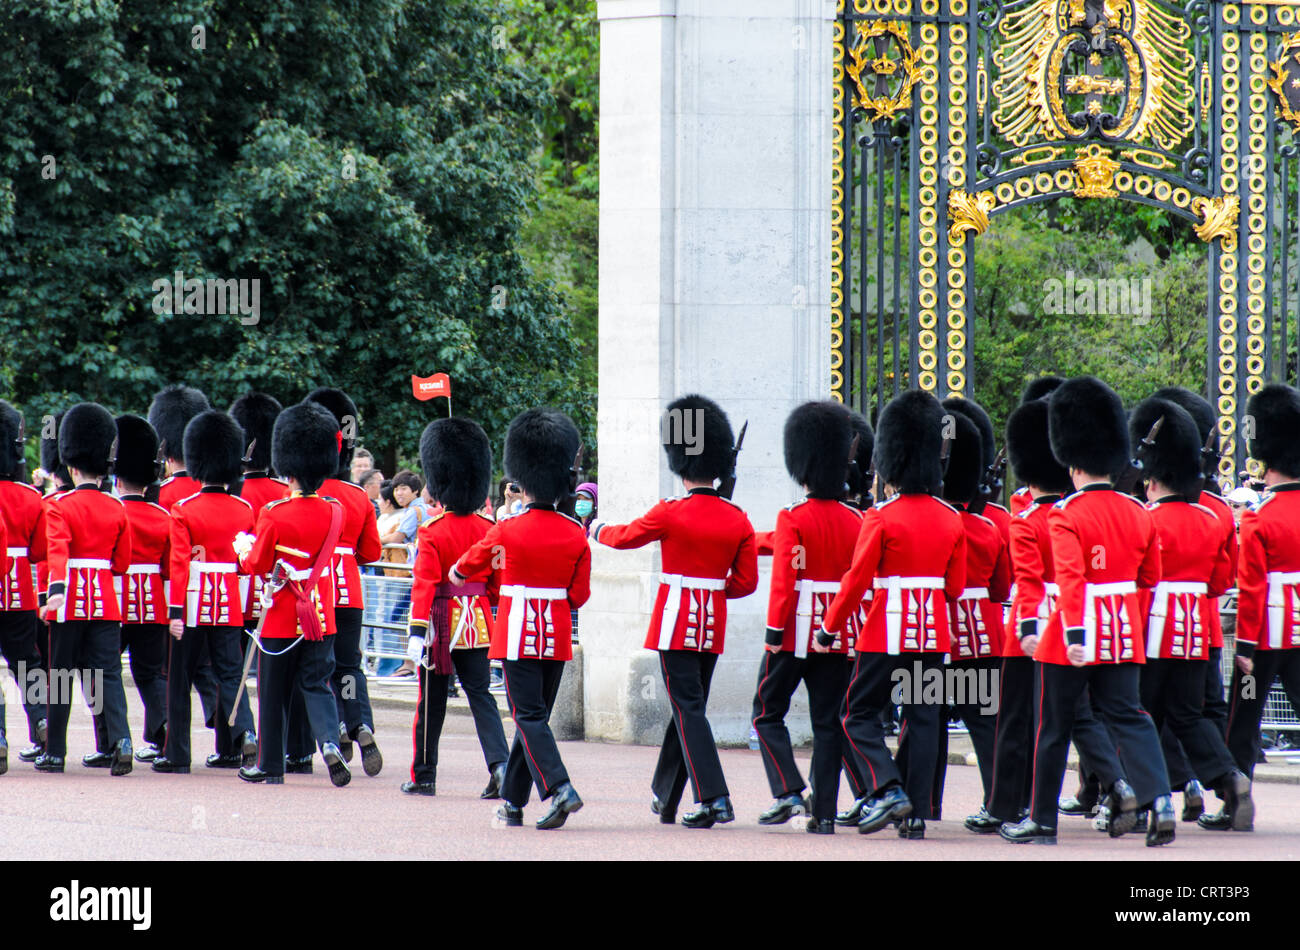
(1286,81)
(1114,70)
(882,65)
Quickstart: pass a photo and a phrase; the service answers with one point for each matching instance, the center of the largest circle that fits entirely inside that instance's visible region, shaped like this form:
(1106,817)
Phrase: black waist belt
(468,589)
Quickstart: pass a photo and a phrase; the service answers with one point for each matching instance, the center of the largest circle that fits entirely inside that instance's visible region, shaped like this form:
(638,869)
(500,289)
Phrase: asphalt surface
(212,815)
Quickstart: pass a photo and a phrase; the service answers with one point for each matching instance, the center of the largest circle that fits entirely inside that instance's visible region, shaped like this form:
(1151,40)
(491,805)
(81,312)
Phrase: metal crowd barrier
(1280,720)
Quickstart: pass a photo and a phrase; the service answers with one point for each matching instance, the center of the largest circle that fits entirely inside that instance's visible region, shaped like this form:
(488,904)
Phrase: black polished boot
(340,774)
(97,760)
(345,742)
(294,765)
(1193,800)
(511,816)
(564,803)
(1123,809)
(147,752)
(230,760)
(854,813)
(1219,821)
(49,763)
(494,784)
(783,809)
(247,744)
(31,753)
(162,764)
(258,776)
(982,823)
(893,805)
(911,828)
(821,826)
(667,816)
(371,759)
(1237,801)
(1162,823)
(419,788)
(1027,832)
(708,814)
(122,760)
(4,754)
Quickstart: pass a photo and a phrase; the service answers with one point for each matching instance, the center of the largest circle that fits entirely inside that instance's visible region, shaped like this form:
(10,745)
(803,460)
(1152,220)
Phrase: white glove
(415,649)
(244,543)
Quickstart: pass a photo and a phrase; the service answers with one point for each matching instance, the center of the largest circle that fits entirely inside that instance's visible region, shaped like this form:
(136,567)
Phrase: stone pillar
(715,155)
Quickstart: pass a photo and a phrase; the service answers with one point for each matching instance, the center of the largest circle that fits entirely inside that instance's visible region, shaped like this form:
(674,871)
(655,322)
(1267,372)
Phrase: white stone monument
(715,145)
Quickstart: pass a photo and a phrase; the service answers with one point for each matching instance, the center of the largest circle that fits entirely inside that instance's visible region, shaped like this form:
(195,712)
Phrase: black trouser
(1113,688)
(147,643)
(1173,692)
(207,685)
(1099,757)
(227,663)
(826,676)
(1176,764)
(531,688)
(1246,705)
(347,682)
(857,784)
(688,749)
(431,711)
(1013,740)
(303,669)
(1216,707)
(980,723)
(92,646)
(18,645)
(870,690)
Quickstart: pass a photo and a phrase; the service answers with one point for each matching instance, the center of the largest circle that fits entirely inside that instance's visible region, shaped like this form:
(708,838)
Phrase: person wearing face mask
(585,506)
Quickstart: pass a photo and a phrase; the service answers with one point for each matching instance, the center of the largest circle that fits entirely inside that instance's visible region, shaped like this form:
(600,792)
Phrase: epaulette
(1197,504)
(1026,512)
(181,501)
(154,504)
(888,501)
(434,519)
(247,504)
(945,504)
(990,521)
(795,504)
(278,501)
(486,518)
(857,511)
(731,503)
(571,518)
(1259,506)
(31,488)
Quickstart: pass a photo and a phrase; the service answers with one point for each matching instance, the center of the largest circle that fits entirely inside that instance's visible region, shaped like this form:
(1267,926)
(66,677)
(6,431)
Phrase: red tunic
(142,589)
(205,588)
(173,489)
(1223,511)
(1195,570)
(912,549)
(1035,578)
(293,530)
(706,546)
(812,550)
(1268,573)
(440,543)
(24,527)
(358,542)
(88,540)
(544,565)
(1020,500)
(1105,549)
(259,490)
(975,618)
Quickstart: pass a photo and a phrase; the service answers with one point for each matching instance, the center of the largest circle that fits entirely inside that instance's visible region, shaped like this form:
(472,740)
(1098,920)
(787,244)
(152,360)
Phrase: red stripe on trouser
(844,727)
(1038,734)
(997,729)
(421,675)
(767,672)
(681,729)
(523,737)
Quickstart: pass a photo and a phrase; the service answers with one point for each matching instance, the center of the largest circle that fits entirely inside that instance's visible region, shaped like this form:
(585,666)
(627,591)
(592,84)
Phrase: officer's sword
(269,589)
(1128,481)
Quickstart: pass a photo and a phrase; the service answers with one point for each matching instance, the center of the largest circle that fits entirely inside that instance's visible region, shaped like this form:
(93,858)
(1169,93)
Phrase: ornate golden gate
(950,112)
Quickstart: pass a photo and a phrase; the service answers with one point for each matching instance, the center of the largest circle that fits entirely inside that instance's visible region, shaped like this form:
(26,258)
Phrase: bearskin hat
(137,451)
(909,440)
(1197,407)
(540,448)
(976,414)
(1040,387)
(343,409)
(817,440)
(1087,427)
(255,413)
(214,446)
(171,411)
(86,437)
(1273,414)
(1029,451)
(457,461)
(50,460)
(961,480)
(697,438)
(859,484)
(1175,458)
(11,441)
(305,444)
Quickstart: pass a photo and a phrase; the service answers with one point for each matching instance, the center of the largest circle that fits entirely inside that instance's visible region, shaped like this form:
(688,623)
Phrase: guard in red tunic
(544,566)
(1195,569)
(294,544)
(451,625)
(975,617)
(22,528)
(1104,550)
(1036,389)
(359,544)
(912,551)
(170,412)
(143,597)
(1268,578)
(812,550)
(985,503)
(88,540)
(708,555)
(206,594)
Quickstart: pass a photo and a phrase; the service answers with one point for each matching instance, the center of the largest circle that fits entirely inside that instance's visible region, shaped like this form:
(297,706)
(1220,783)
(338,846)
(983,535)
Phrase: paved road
(87,814)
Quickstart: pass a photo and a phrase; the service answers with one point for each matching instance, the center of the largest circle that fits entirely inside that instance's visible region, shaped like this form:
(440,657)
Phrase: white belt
(673,603)
(1278,581)
(803,611)
(894,587)
(519,596)
(89,563)
(144,569)
(345,550)
(211,567)
(1090,594)
(1052,589)
(974,593)
(16,552)
(193,593)
(1160,610)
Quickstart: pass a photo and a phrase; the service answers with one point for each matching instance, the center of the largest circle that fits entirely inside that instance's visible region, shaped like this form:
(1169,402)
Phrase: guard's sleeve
(1067,557)
(261,557)
(743,577)
(1151,569)
(1029,569)
(866,559)
(764,543)
(1000,581)
(955,574)
(368,547)
(58,540)
(1224,563)
(480,555)
(650,527)
(36,545)
(121,559)
(580,583)
(785,571)
(181,549)
(1252,583)
(426,575)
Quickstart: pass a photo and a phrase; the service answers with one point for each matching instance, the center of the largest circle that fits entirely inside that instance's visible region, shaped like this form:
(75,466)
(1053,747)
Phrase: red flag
(430,387)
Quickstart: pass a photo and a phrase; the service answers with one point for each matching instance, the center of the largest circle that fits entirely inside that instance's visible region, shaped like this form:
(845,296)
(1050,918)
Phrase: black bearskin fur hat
(698,424)
(1175,458)
(343,408)
(817,440)
(1030,452)
(1087,427)
(305,444)
(256,413)
(976,414)
(171,411)
(1040,387)
(540,448)
(1273,415)
(909,440)
(214,445)
(961,481)
(457,461)
(11,442)
(137,451)
(86,437)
